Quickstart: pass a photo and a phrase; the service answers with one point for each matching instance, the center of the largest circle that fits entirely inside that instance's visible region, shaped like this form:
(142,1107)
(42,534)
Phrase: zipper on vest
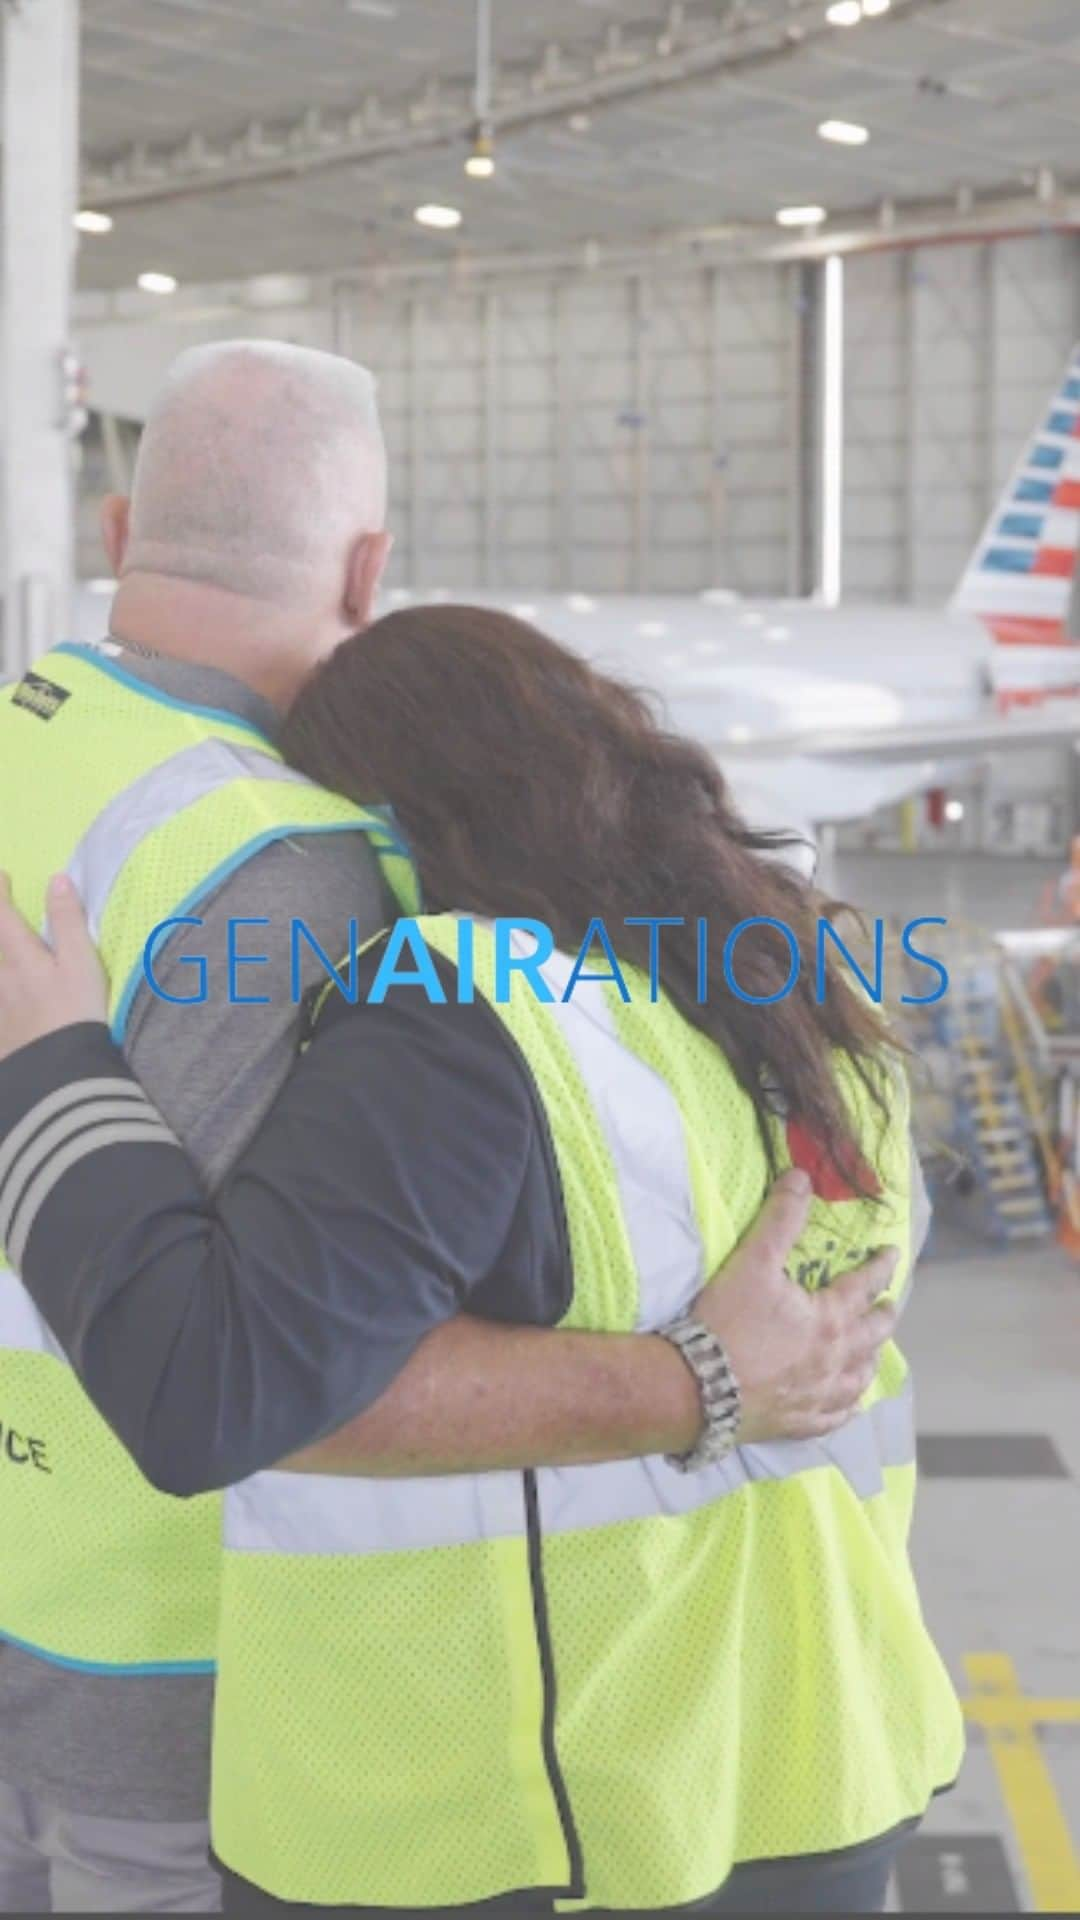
(576,1888)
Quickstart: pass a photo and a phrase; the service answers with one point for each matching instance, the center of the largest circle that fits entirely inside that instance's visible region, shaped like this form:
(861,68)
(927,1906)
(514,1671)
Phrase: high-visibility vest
(148,803)
(609,1682)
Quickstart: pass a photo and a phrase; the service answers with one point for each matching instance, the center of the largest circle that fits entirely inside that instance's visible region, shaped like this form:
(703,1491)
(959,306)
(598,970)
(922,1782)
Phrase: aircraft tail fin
(1023,580)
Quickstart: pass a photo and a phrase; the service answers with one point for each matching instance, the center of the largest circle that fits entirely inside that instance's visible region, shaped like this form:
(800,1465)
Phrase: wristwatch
(721,1400)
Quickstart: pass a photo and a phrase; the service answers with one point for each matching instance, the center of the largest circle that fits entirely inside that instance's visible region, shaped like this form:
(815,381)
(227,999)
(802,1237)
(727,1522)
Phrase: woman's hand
(45,988)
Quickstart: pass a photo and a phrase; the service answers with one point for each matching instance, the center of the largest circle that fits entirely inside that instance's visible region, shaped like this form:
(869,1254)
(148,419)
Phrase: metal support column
(492,503)
(418,558)
(910,571)
(804,412)
(567,436)
(990,382)
(720,452)
(343,321)
(642,516)
(833,375)
(810,395)
(40,109)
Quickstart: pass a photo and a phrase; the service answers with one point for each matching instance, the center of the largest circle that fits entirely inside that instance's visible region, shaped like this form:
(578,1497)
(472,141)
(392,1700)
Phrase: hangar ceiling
(236,137)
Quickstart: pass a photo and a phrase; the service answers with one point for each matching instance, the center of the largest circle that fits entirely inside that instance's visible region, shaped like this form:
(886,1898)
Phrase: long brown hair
(527,783)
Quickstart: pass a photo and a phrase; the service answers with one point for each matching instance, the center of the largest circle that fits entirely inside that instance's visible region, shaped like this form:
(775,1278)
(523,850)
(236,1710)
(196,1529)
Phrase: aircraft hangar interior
(735,346)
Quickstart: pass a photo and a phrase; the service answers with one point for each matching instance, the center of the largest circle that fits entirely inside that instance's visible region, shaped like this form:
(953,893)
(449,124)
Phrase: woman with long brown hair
(639,1685)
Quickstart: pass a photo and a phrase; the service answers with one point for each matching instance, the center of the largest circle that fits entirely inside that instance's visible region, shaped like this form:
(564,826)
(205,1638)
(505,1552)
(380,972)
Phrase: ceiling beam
(686,48)
(999,217)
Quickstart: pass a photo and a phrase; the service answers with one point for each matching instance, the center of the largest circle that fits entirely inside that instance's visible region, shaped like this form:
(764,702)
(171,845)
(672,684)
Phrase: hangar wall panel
(640,430)
(951,356)
(619,433)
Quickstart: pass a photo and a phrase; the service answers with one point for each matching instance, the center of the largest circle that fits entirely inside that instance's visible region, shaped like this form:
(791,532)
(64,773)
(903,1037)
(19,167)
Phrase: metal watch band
(721,1400)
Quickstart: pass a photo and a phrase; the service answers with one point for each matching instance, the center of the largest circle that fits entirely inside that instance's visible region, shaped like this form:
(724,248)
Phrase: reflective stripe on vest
(167,789)
(644,1131)
(304,1514)
(22,1329)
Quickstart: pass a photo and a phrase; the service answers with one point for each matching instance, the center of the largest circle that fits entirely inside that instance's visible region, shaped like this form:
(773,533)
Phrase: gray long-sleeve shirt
(137,1747)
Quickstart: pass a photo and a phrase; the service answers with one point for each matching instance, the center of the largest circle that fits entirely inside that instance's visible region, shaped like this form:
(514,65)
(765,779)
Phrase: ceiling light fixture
(88,221)
(432,215)
(872,8)
(158,282)
(480,164)
(800,216)
(844,13)
(846,133)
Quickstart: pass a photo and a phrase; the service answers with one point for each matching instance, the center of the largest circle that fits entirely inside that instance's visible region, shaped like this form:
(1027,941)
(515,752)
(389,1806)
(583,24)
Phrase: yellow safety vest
(148,803)
(612,1682)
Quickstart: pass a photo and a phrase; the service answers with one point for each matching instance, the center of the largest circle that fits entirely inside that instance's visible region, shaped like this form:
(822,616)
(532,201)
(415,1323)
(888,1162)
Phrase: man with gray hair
(254,544)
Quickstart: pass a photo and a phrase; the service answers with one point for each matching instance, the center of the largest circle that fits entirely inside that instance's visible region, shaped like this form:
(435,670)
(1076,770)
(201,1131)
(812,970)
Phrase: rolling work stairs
(997,1133)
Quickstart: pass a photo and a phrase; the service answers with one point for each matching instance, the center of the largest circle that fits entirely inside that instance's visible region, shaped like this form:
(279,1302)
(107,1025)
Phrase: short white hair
(259,467)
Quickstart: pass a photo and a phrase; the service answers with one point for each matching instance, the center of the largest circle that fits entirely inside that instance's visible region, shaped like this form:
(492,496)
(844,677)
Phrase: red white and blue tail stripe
(1023,580)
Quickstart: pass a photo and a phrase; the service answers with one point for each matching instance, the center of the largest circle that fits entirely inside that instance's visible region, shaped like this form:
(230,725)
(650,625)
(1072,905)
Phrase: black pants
(840,1883)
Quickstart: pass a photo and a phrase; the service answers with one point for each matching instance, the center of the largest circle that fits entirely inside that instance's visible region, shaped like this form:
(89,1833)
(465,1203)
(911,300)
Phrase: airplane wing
(1056,725)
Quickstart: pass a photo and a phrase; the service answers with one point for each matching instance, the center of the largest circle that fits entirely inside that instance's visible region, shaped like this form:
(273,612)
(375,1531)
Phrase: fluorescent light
(739,735)
(720,597)
(101,585)
(88,221)
(846,133)
(954,810)
(844,13)
(832,433)
(653,629)
(581,603)
(800,216)
(873,7)
(158,282)
(436,216)
(524,610)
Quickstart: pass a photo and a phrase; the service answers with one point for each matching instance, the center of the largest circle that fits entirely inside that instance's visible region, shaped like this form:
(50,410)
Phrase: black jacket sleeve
(400,1176)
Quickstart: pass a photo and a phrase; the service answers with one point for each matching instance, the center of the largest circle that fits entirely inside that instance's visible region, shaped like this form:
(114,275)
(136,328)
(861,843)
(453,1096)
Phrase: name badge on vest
(40,696)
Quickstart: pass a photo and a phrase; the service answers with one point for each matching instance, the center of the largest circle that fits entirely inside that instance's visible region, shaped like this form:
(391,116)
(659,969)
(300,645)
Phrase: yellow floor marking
(1010,1722)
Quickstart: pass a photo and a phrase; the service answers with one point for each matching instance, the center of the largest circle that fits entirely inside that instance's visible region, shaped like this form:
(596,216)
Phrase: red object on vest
(827,1179)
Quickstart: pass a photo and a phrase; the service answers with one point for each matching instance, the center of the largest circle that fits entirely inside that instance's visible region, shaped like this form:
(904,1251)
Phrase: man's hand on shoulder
(803,1360)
